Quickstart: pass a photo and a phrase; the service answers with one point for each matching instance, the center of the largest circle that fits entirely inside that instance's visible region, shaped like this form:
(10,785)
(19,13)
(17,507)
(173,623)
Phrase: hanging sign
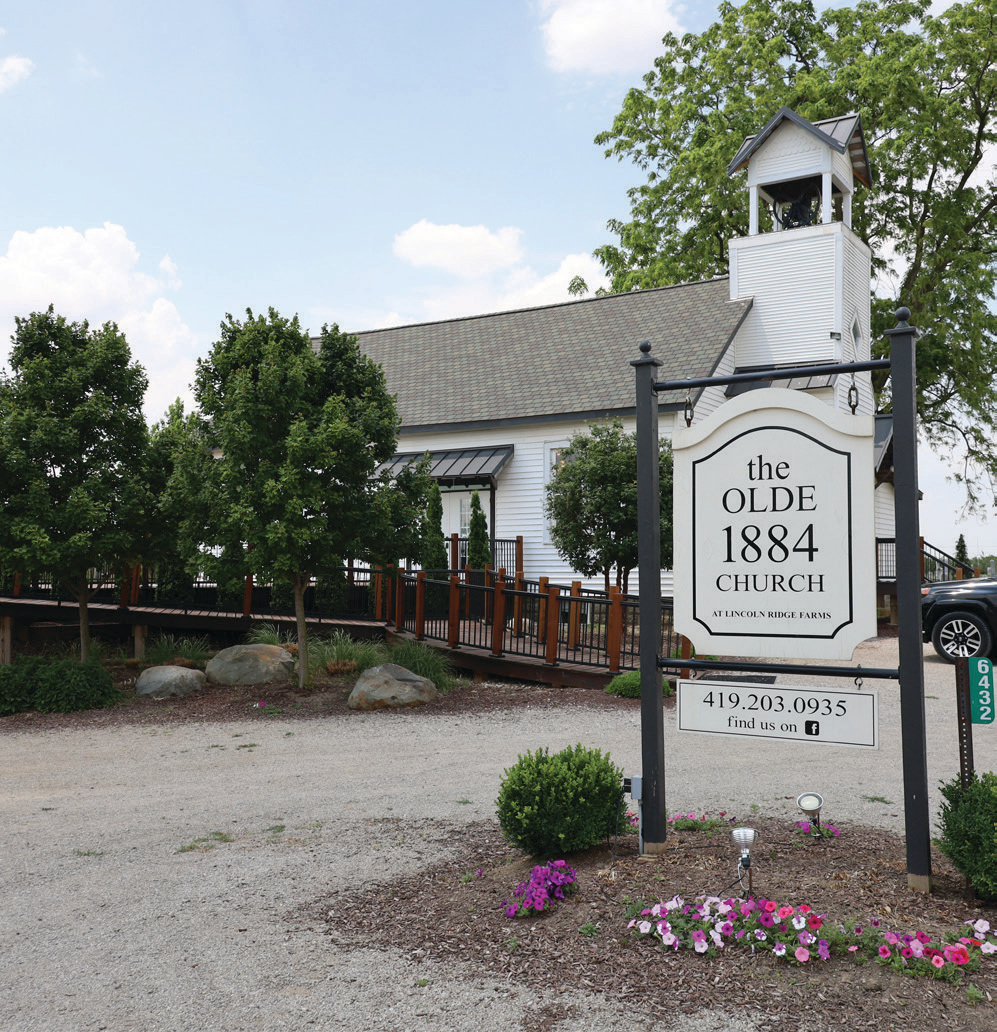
(773,528)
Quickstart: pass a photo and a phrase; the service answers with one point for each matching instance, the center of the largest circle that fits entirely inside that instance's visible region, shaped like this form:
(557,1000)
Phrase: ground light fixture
(744,839)
(811,803)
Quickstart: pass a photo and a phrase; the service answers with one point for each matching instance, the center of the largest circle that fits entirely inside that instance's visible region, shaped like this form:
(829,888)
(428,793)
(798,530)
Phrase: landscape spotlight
(810,803)
(744,839)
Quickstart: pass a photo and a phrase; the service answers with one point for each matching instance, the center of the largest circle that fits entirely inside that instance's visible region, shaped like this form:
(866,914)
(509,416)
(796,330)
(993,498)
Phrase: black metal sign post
(652,720)
(912,722)
(964,714)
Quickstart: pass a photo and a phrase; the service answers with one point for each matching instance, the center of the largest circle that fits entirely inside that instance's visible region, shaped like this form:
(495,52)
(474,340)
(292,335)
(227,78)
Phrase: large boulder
(250,664)
(390,685)
(163,682)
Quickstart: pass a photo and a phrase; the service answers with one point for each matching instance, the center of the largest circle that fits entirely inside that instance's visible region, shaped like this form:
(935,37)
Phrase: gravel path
(108,923)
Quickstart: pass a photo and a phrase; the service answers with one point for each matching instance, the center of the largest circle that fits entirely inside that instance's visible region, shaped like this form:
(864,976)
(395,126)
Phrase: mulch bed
(285,700)
(449,912)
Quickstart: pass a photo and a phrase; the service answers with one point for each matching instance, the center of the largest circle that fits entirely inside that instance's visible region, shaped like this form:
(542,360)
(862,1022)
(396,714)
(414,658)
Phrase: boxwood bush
(54,686)
(555,805)
(969,831)
(627,685)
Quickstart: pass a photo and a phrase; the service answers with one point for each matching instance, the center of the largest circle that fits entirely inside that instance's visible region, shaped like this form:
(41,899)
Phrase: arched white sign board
(775,553)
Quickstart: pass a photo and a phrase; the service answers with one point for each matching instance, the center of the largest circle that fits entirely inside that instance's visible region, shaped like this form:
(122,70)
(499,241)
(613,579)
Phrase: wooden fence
(553,623)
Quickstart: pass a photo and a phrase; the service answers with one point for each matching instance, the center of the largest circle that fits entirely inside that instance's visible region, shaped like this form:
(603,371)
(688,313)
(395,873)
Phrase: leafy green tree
(73,451)
(592,504)
(298,436)
(479,546)
(926,88)
(961,552)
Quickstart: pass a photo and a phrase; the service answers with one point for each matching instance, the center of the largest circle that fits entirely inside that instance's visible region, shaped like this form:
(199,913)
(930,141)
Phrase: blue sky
(371,165)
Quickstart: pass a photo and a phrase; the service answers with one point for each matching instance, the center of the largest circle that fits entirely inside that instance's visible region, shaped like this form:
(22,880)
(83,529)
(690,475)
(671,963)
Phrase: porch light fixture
(744,839)
(811,803)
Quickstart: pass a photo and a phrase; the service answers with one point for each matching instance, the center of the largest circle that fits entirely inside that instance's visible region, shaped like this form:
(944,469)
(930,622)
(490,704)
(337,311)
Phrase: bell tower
(808,272)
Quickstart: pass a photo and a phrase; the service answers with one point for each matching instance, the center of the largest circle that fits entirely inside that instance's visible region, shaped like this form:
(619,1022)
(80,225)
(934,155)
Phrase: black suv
(959,617)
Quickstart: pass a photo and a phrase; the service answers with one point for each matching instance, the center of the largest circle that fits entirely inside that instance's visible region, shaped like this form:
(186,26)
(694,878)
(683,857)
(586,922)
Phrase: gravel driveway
(109,922)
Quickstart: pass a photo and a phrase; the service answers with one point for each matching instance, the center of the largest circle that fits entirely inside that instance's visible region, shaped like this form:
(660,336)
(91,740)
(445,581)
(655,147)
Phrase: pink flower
(923,938)
(884,951)
(770,906)
(785,912)
(779,949)
(804,909)
(891,938)
(701,946)
(906,952)
(852,949)
(802,955)
(814,923)
(824,949)
(937,961)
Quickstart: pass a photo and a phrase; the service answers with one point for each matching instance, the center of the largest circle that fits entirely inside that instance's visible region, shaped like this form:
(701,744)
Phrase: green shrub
(270,634)
(969,831)
(341,648)
(167,647)
(627,685)
(423,660)
(54,686)
(560,804)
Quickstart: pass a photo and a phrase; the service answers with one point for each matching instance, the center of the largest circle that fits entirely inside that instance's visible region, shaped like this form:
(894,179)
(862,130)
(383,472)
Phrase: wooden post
(349,572)
(399,601)
(420,605)
(139,632)
(17,585)
(498,610)
(614,629)
(453,613)
(378,592)
(542,610)
(686,654)
(519,554)
(6,640)
(126,586)
(136,582)
(552,626)
(247,596)
(517,605)
(574,614)
(958,573)
(454,552)
(489,582)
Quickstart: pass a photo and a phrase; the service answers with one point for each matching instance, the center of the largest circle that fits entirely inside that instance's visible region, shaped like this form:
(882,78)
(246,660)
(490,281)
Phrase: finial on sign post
(645,347)
(902,314)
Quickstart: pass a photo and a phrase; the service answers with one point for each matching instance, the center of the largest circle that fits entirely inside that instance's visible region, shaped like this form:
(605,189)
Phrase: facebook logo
(811,727)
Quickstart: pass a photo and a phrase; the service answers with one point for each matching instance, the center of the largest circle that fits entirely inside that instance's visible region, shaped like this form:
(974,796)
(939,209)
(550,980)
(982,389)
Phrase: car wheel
(961,634)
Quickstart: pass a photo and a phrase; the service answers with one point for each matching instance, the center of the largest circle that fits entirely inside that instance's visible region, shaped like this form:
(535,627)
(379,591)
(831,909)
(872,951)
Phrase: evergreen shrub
(54,686)
(969,830)
(560,804)
(627,686)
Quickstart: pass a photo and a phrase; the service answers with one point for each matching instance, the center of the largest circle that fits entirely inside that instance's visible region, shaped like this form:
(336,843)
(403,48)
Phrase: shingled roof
(554,363)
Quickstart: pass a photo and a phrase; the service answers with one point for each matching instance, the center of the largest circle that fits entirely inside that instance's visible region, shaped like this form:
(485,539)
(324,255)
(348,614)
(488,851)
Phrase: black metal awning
(464,467)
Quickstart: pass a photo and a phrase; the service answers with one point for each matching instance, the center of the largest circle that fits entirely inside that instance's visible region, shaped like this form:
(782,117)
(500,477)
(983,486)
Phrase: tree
(299,436)
(479,546)
(73,452)
(961,552)
(926,88)
(592,504)
(434,553)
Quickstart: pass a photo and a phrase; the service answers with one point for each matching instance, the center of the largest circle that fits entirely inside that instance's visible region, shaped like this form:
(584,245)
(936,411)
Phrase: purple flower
(823,950)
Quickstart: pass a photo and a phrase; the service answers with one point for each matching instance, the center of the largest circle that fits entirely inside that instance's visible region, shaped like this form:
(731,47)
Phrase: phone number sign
(818,715)
(774,529)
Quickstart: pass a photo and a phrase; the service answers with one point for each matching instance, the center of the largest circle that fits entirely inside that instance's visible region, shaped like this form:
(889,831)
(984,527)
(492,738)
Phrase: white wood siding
(884,516)
(519,502)
(794,279)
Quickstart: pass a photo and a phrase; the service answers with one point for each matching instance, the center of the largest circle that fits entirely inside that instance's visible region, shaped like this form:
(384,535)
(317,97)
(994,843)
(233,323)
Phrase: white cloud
(465,251)
(13,69)
(95,275)
(606,37)
(521,287)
